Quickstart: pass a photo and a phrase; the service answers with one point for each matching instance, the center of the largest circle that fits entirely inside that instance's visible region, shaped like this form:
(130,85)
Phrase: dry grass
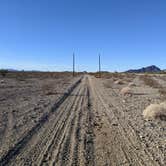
(155,111)
(119,82)
(131,84)
(126,91)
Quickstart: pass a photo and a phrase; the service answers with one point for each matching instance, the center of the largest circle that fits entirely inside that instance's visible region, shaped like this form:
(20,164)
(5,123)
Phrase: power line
(73,65)
(99,66)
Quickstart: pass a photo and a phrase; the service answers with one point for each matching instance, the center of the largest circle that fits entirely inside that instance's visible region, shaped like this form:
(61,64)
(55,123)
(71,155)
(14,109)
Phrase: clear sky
(43,34)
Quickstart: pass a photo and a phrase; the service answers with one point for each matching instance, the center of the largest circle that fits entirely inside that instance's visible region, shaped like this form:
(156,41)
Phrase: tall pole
(73,65)
(99,66)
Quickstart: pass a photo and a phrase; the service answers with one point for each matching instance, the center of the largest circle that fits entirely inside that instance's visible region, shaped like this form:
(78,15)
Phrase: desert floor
(58,120)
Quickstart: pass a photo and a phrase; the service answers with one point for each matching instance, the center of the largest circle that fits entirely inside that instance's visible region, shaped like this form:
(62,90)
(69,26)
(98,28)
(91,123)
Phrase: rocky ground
(58,120)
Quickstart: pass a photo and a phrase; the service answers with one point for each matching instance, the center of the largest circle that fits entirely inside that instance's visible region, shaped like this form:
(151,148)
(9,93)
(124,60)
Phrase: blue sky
(43,34)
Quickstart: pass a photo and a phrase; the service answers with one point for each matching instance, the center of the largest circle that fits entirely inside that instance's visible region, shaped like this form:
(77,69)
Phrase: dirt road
(86,126)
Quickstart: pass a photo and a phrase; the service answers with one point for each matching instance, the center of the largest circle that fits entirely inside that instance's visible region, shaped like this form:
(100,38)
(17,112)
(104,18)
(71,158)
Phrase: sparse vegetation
(131,84)
(126,91)
(44,105)
(119,82)
(155,111)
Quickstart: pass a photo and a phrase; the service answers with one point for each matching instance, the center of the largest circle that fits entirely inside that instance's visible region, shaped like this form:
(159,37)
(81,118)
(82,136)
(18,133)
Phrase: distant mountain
(151,69)
(11,69)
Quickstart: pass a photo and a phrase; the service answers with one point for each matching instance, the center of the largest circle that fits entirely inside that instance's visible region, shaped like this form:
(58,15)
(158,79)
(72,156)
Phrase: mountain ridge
(152,68)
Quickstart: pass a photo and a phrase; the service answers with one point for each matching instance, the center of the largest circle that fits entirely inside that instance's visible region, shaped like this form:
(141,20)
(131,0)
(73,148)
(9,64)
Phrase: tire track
(89,135)
(132,136)
(125,136)
(78,137)
(14,151)
(60,130)
(67,144)
(66,133)
(56,126)
(129,151)
(72,143)
(60,127)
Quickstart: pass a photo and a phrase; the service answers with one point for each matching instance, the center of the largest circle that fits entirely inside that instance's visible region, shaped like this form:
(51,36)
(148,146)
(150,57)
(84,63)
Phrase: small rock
(141,136)
(114,124)
(124,101)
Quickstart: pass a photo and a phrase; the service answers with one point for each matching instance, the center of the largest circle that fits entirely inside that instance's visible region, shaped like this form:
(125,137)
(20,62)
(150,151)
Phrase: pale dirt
(88,123)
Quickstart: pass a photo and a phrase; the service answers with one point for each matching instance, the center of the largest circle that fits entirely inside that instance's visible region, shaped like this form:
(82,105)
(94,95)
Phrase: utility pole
(73,65)
(99,66)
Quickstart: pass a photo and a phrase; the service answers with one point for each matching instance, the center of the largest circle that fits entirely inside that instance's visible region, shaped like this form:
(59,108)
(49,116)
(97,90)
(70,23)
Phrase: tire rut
(89,135)
(59,131)
(127,148)
(57,127)
(16,149)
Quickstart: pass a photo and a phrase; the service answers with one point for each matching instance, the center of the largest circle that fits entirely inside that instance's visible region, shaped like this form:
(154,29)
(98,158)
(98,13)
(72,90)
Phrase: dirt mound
(155,111)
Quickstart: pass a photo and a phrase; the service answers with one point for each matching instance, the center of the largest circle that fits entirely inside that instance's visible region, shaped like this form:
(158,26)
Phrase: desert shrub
(126,91)
(131,84)
(3,72)
(119,82)
(155,111)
